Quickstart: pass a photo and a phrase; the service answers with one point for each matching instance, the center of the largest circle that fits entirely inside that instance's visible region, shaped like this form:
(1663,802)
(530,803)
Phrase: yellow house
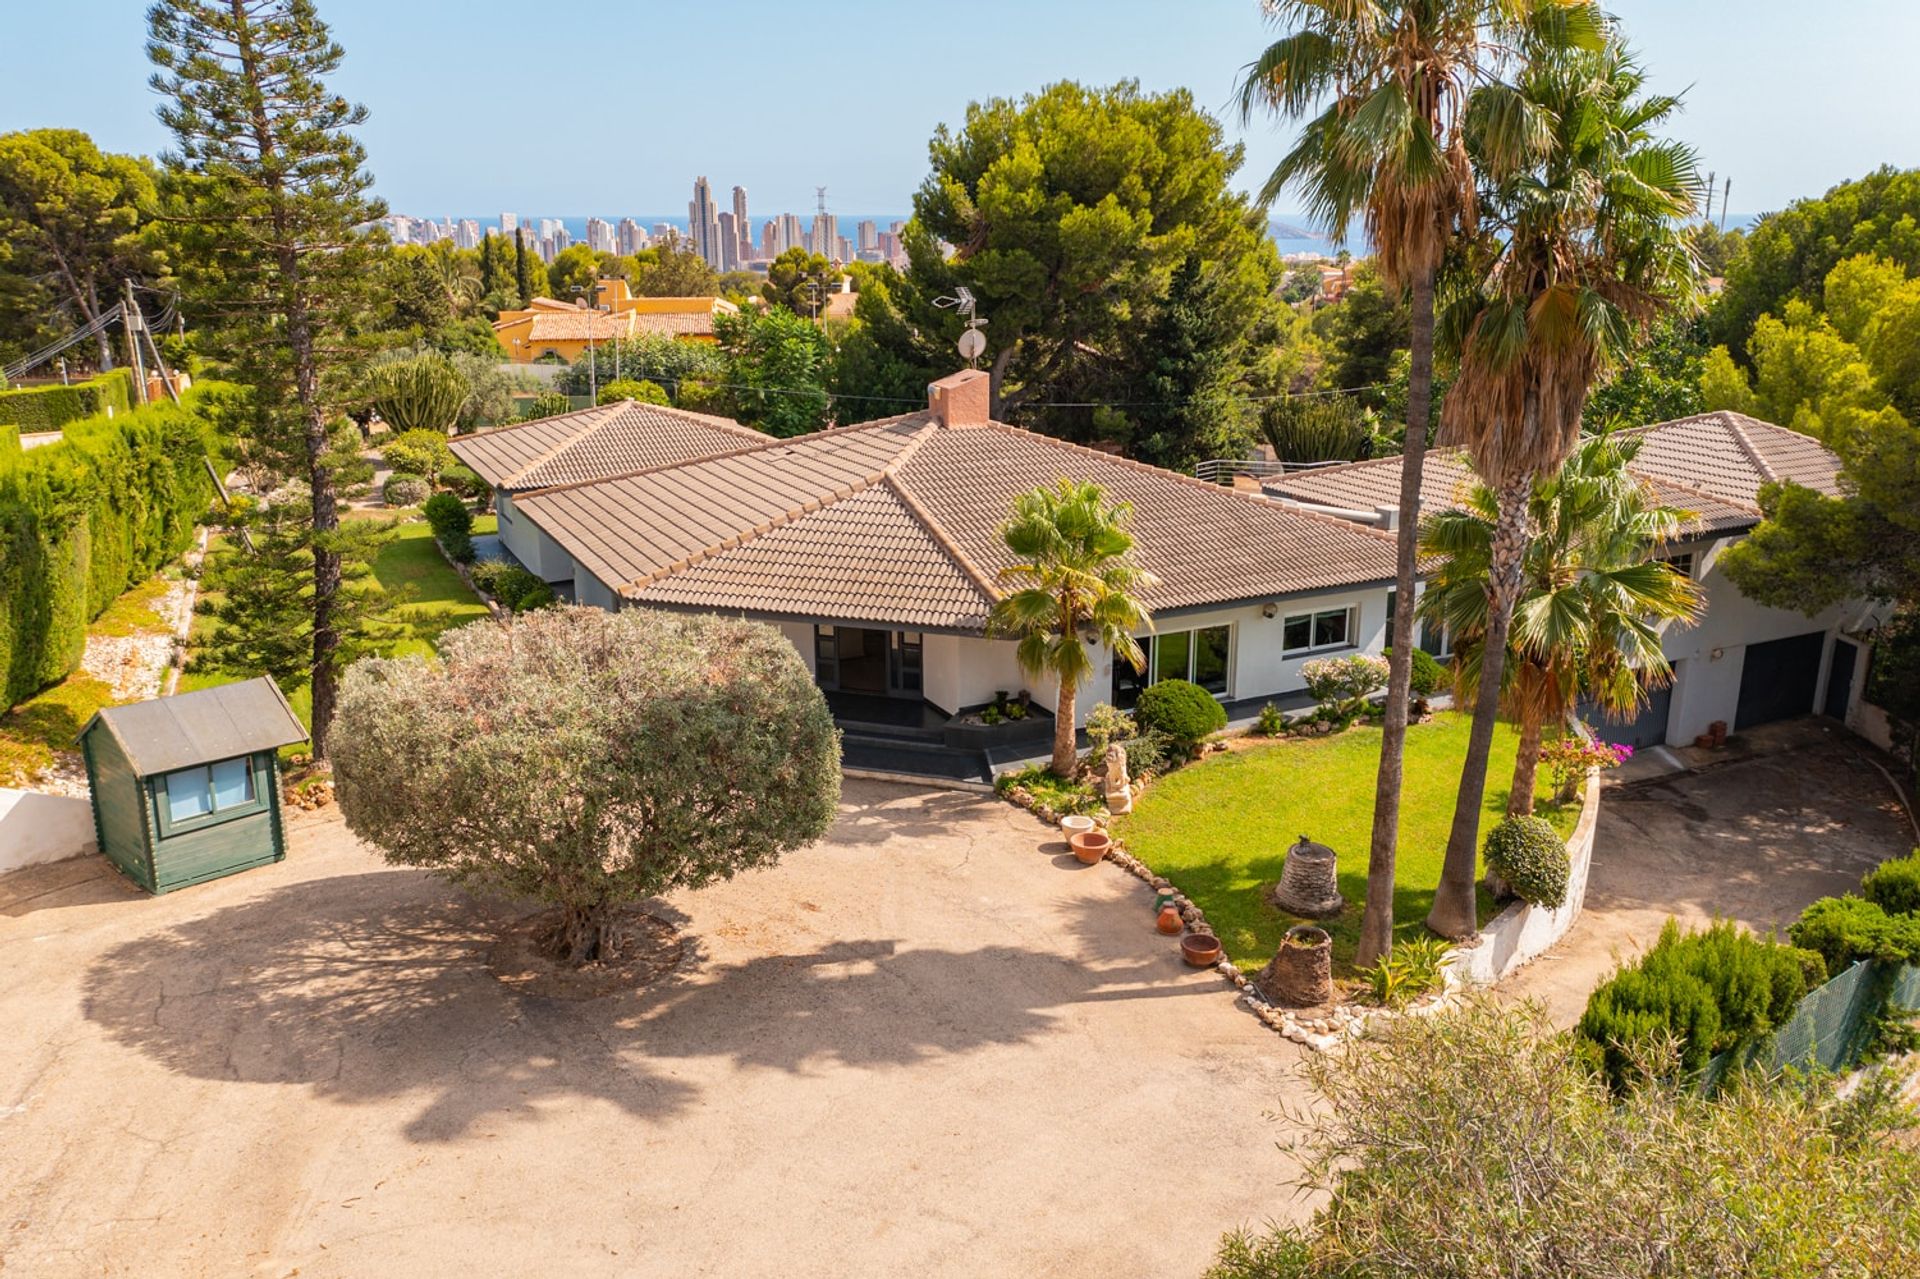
(551,330)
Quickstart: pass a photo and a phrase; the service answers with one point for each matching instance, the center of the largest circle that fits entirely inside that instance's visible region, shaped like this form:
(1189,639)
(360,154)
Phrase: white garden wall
(1523,931)
(36,828)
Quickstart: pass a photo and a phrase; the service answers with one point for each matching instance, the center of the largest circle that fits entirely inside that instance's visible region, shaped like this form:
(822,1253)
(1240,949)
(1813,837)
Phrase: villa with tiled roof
(1743,663)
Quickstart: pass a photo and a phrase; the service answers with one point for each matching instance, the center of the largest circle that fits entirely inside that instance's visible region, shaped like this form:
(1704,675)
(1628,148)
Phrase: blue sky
(484,105)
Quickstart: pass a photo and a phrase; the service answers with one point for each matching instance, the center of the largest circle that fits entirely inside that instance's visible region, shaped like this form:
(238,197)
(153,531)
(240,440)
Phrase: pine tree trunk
(1453,913)
(1526,765)
(1066,755)
(1376,922)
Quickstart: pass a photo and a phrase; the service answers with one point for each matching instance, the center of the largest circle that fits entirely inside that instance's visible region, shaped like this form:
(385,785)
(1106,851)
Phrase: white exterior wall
(800,635)
(1707,687)
(36,828)
(588,589)
(530,544)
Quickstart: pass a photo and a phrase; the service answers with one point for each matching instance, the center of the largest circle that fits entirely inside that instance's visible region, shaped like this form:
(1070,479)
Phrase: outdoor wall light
(1269,610)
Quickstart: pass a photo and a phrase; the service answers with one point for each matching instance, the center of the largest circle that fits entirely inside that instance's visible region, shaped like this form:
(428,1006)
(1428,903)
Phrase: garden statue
(1119,793)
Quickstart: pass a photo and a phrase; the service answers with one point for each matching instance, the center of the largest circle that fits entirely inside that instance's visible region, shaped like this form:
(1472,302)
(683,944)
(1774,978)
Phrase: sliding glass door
(1202,655)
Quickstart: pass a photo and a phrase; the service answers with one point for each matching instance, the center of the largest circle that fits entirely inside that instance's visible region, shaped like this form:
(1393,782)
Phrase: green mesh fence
(1833,1026)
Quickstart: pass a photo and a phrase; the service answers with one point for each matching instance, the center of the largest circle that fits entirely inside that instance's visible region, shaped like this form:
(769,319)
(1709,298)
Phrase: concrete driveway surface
(926,1046)
(1797,813)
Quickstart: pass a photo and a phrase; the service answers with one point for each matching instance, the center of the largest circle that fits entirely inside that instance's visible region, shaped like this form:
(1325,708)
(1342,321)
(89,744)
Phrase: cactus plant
(418,392)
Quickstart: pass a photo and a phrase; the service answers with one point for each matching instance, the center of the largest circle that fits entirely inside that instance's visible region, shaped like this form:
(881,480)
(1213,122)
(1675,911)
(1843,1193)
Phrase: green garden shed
(187,788)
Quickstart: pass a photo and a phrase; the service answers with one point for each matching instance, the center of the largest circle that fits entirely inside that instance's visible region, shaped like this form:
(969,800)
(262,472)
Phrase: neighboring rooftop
(1712,464)
(898,521)
(594,443)
(201,727)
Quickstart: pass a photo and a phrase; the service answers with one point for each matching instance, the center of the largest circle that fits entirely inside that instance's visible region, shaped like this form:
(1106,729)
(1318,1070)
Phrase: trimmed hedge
(83,519)
(1181,711)
(48,408)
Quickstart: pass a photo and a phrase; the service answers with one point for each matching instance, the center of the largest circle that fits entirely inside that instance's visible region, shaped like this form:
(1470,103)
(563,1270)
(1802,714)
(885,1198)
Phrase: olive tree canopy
(587,759)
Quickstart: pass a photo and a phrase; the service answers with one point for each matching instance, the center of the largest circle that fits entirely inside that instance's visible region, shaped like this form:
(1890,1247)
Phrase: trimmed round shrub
(1530,856)
(1429,677)
(447,513)
(638,390)
(1183,712)
(466,483)
(1894,885)
(418,453)
(508,583)
(402,489)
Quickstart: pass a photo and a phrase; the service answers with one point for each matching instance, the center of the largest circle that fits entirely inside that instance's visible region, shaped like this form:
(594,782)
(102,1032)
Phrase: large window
(207,792)
(1319,632)
(1201,656)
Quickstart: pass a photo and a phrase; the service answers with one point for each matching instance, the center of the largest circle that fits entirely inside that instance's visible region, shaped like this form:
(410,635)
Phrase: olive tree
(587,759)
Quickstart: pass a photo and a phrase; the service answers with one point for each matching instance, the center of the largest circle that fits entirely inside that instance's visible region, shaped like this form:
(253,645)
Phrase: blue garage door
(1648,728)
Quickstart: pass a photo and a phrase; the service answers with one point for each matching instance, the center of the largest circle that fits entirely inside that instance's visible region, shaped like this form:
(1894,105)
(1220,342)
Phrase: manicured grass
(431,599)
(1220,828)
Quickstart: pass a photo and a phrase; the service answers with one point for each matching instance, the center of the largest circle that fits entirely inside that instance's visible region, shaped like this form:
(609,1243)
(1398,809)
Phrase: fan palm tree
(1383,88)
(1589,615)
(1581,248)
(1075,583)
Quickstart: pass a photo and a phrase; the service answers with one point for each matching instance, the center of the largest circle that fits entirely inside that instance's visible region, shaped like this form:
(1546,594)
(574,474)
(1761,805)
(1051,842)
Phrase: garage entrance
(1778,678)
(1648,728)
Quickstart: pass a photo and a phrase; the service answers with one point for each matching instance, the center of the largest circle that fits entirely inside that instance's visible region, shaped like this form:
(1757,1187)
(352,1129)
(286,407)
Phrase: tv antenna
(972,342)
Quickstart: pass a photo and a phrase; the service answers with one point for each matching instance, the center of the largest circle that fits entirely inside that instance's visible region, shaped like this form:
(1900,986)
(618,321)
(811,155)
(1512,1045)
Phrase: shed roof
(201,727)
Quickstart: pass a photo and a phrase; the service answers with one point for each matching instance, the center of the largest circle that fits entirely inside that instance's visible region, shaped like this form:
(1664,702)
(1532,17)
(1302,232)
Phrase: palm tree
(1590,612)
(1383,87)
(1583,246)
(1076,584)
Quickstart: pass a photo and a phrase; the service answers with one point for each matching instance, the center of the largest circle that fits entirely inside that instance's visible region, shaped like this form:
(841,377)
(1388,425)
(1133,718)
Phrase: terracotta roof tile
(595,443)
(577,324)
(676,323)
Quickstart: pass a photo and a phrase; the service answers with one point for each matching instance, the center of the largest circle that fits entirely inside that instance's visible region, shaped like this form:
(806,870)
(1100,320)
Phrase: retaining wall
(36,828)
(1522,931)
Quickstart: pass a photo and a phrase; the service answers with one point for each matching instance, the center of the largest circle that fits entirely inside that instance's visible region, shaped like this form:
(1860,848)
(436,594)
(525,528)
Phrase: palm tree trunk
(1526,764)
(1453,913)
(1065,754)
(1376,921)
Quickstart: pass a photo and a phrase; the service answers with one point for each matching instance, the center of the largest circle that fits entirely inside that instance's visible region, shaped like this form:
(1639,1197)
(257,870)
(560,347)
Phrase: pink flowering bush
(1569,758)
(1345,683)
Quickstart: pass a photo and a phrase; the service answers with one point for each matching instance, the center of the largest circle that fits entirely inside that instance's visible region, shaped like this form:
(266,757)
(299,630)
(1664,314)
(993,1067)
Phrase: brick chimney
(960,399)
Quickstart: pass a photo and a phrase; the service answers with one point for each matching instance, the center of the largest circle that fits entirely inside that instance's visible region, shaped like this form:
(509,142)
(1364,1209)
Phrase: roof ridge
(1739,435)
(938,532)
(567,441)
(758,446)
(521,426)
(760,530)
(1193,481)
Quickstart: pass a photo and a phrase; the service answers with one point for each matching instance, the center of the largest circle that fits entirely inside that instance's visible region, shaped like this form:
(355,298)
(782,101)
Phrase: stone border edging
(1523,931)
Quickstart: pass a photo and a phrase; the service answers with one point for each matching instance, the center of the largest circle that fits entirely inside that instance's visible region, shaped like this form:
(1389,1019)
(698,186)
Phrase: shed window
(206,792)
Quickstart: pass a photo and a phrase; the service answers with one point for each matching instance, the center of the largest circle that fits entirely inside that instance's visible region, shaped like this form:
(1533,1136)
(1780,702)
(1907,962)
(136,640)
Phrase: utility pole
(1708,216)
(1726,195)
(130,324)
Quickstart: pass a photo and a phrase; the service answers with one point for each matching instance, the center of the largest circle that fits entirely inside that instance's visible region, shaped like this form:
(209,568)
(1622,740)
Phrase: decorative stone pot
(1168,921)
(1300,974)
(1202,950)
(1090,846)
(1076,824)
(1310,882)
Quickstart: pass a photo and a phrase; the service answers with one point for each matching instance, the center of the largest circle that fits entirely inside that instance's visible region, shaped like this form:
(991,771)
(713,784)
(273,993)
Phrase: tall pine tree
(269,186)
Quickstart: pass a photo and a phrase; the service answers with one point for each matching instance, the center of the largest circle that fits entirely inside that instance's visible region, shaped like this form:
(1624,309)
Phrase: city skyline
(413,71)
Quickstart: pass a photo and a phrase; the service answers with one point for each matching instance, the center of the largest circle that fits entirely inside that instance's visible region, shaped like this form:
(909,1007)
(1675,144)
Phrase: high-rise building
(703,220)
(663,230)
(842,249)
(467,233)
(729,242)
(742,227)
(600,235)
(869,235)
(891,249)
(770,239)
(792,236)
(509,223)
(820,239)
(631,237)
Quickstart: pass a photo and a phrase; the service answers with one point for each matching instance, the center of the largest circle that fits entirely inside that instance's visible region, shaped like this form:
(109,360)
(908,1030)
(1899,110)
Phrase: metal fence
(1832,1027)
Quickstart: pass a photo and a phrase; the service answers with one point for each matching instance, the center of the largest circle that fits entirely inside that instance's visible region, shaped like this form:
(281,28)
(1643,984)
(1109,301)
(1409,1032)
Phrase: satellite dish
(972,344)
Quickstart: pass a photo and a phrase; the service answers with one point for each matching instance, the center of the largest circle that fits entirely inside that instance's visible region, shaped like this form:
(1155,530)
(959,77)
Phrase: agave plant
(421,391)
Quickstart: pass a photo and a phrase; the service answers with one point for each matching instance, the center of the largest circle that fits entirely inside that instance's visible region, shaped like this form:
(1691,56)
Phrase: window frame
(1150,646)
(162,784)
(1351,613)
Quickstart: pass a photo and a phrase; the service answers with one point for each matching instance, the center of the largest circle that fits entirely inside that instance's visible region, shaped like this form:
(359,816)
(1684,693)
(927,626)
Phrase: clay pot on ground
(1168,921)
(1300,975)
(1090,846)
(1202,950)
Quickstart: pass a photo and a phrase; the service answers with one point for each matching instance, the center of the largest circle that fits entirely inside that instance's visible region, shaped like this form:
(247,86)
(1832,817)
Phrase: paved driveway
(1753,839)
(922,1047)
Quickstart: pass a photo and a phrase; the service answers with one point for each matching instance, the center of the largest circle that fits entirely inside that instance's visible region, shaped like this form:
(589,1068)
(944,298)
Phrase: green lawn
(1219,829)
(433,600)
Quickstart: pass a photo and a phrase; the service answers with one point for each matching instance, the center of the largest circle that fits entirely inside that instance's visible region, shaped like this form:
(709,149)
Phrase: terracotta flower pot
(1202,950)
(1168,921)
(1090,846)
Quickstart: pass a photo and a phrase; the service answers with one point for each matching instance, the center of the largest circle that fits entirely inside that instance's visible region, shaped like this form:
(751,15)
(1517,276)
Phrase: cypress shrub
(83,519)
(1845,930)
(9,441)
(1894,885)
(1711,991)
(48,408)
